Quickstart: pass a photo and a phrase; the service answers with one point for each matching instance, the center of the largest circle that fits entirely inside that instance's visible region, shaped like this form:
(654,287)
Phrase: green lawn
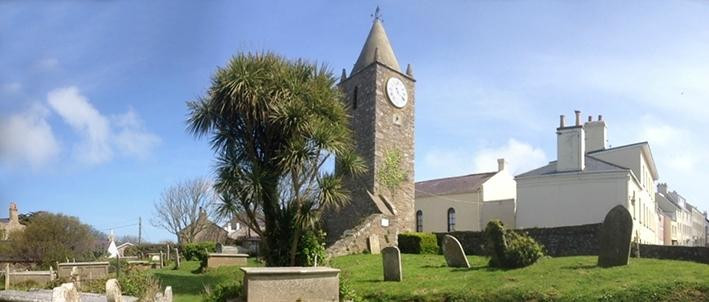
(426,278)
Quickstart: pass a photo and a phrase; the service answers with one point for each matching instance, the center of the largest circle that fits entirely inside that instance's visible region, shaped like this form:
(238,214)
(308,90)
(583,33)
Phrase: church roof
(452,185)
(377,41)
(593,165)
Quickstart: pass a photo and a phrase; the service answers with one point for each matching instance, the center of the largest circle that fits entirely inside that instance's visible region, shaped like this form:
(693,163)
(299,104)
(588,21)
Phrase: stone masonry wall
(558,242)
(689,253)
(355,240)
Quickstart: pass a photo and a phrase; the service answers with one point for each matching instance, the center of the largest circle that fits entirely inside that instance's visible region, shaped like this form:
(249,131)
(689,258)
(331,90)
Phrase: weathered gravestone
(373,243)
(227,249)
(391,260)
(453,252)
(67,292)
(113,291)
(616,233)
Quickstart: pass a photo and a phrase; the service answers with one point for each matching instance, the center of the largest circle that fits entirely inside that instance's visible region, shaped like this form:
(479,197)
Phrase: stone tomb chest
(87,270)
(217,259)
(266,284)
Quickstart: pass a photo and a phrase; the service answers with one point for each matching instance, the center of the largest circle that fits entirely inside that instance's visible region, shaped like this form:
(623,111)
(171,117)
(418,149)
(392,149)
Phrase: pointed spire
(376,48)
(409,70)
(344,75)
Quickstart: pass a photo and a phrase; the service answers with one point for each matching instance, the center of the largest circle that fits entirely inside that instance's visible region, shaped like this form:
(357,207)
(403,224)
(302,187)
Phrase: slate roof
(592,165)
(452,185)
(376,40)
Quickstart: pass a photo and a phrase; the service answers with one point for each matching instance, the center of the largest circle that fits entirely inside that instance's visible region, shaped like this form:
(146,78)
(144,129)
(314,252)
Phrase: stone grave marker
(168,294)
(373,244)
(67,292)
(391,260)
(113,291)
(616,233)
(453,252)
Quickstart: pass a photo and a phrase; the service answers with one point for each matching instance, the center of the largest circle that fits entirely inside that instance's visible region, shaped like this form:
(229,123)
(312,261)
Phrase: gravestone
(391,260)
(616,233)
(168,294)
(227,249)
(67,292)
(373,244)
(453,252)
(113,291)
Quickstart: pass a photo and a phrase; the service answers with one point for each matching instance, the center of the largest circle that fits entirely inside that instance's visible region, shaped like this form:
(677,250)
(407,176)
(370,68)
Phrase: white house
(587,180)
(688,222)
(465,203)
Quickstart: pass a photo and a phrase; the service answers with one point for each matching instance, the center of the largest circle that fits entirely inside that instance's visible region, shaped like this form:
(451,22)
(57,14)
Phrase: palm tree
(274,123)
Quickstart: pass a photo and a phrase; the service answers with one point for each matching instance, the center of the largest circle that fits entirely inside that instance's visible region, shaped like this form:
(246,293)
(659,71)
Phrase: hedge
(418,243)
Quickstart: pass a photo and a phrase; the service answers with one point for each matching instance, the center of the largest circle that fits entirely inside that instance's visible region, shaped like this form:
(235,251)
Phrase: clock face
(396,91)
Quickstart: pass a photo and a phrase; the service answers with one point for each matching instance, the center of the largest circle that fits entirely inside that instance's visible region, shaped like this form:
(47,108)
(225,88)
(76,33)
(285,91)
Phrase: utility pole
(140,229)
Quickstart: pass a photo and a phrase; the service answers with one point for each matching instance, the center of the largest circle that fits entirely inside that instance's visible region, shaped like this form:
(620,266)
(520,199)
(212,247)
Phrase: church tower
(380,99)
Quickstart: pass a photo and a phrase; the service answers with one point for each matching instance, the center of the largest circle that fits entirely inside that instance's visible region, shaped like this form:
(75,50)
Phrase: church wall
(435,212)
(504,210)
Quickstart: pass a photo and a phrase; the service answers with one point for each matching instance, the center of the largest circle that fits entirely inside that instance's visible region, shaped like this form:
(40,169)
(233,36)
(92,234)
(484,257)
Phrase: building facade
(466,203)
(587,180)
(380,100)
(10,224)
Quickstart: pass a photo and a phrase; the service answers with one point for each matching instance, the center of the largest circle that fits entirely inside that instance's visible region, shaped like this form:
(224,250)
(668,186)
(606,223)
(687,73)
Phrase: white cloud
(101,136)
(521,157)
(93,127)
(27,137)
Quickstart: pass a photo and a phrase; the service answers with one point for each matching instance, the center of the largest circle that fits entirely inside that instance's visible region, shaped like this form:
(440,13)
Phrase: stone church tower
(380,99)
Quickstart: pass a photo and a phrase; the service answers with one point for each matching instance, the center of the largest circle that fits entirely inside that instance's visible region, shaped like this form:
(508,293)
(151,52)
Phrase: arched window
(419,221)
(451,220)
(354,98)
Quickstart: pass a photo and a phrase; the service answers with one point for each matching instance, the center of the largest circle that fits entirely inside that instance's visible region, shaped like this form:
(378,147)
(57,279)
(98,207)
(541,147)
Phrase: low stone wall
(673,252)
(355,240)
(87,270)
(265,284)
(217,260)
(558,242)
(38,277)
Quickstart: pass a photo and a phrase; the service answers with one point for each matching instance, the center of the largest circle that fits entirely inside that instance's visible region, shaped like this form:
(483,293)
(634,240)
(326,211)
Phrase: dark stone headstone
(391,259)
(616,233)
(453,252)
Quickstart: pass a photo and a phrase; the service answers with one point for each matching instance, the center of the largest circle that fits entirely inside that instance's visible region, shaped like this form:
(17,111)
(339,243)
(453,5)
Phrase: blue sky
(92,93)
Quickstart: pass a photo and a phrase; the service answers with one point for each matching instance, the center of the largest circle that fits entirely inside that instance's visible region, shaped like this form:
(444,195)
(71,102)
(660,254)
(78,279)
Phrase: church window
(451,220)
(354,98)
(419,221)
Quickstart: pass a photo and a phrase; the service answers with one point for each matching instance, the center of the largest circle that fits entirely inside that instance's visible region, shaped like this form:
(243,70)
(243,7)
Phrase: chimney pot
(600,117)
(578,117)
(590,118)
(500,164)
(561,121)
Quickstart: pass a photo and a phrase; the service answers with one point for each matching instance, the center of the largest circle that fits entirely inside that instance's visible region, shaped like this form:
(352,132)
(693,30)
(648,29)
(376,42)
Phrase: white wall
(435,212)
(569,198)
(500,186)
(504,210)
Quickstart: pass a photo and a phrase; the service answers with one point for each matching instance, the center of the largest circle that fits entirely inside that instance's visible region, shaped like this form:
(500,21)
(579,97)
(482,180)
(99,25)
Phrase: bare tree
(186,209)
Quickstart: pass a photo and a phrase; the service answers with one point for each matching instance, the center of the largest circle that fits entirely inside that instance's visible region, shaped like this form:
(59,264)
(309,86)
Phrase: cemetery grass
(188,285)
(426,278)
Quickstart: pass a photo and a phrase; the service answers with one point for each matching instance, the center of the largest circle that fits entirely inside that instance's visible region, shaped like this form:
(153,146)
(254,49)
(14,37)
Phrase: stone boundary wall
(558,242)
(354,241)
(673,252)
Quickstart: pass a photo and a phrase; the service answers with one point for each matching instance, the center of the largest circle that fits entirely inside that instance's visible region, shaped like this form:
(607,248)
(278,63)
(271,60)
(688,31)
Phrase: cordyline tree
(273,124)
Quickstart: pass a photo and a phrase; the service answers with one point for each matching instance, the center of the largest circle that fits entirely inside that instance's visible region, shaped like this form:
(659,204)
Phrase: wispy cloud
(27,138)
(47,64)
(101,136)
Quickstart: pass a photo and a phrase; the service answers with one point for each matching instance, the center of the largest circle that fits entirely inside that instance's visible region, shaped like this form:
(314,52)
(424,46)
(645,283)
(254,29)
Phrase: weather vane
(377,15)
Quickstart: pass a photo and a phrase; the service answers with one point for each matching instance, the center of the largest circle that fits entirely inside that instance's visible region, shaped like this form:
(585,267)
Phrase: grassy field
(426,278)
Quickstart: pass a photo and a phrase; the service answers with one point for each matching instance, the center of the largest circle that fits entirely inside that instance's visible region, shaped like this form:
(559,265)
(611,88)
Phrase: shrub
(195,251)
(347,293)
(141,284)
(510,249)
(311,246)
(223,292)
(418,243)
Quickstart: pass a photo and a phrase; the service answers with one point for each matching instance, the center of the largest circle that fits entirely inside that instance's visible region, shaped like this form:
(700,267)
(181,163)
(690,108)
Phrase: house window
(451,220)
(419,221)
(354,98)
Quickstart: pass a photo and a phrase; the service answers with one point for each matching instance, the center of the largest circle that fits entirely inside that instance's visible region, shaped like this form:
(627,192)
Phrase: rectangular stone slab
(266,284)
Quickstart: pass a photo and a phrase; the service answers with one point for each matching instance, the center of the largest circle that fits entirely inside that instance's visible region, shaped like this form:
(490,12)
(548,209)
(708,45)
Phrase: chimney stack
(596,135)
(561,121)
(570,147)
(662,188)
(501,164)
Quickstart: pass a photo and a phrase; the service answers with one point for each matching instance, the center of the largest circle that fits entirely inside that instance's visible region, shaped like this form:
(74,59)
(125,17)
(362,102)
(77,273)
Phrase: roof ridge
(619,147)
(608,163)
(459,176)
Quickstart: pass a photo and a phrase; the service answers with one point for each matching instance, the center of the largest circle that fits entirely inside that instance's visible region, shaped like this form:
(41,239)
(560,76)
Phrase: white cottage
(587,180)
(466,203)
